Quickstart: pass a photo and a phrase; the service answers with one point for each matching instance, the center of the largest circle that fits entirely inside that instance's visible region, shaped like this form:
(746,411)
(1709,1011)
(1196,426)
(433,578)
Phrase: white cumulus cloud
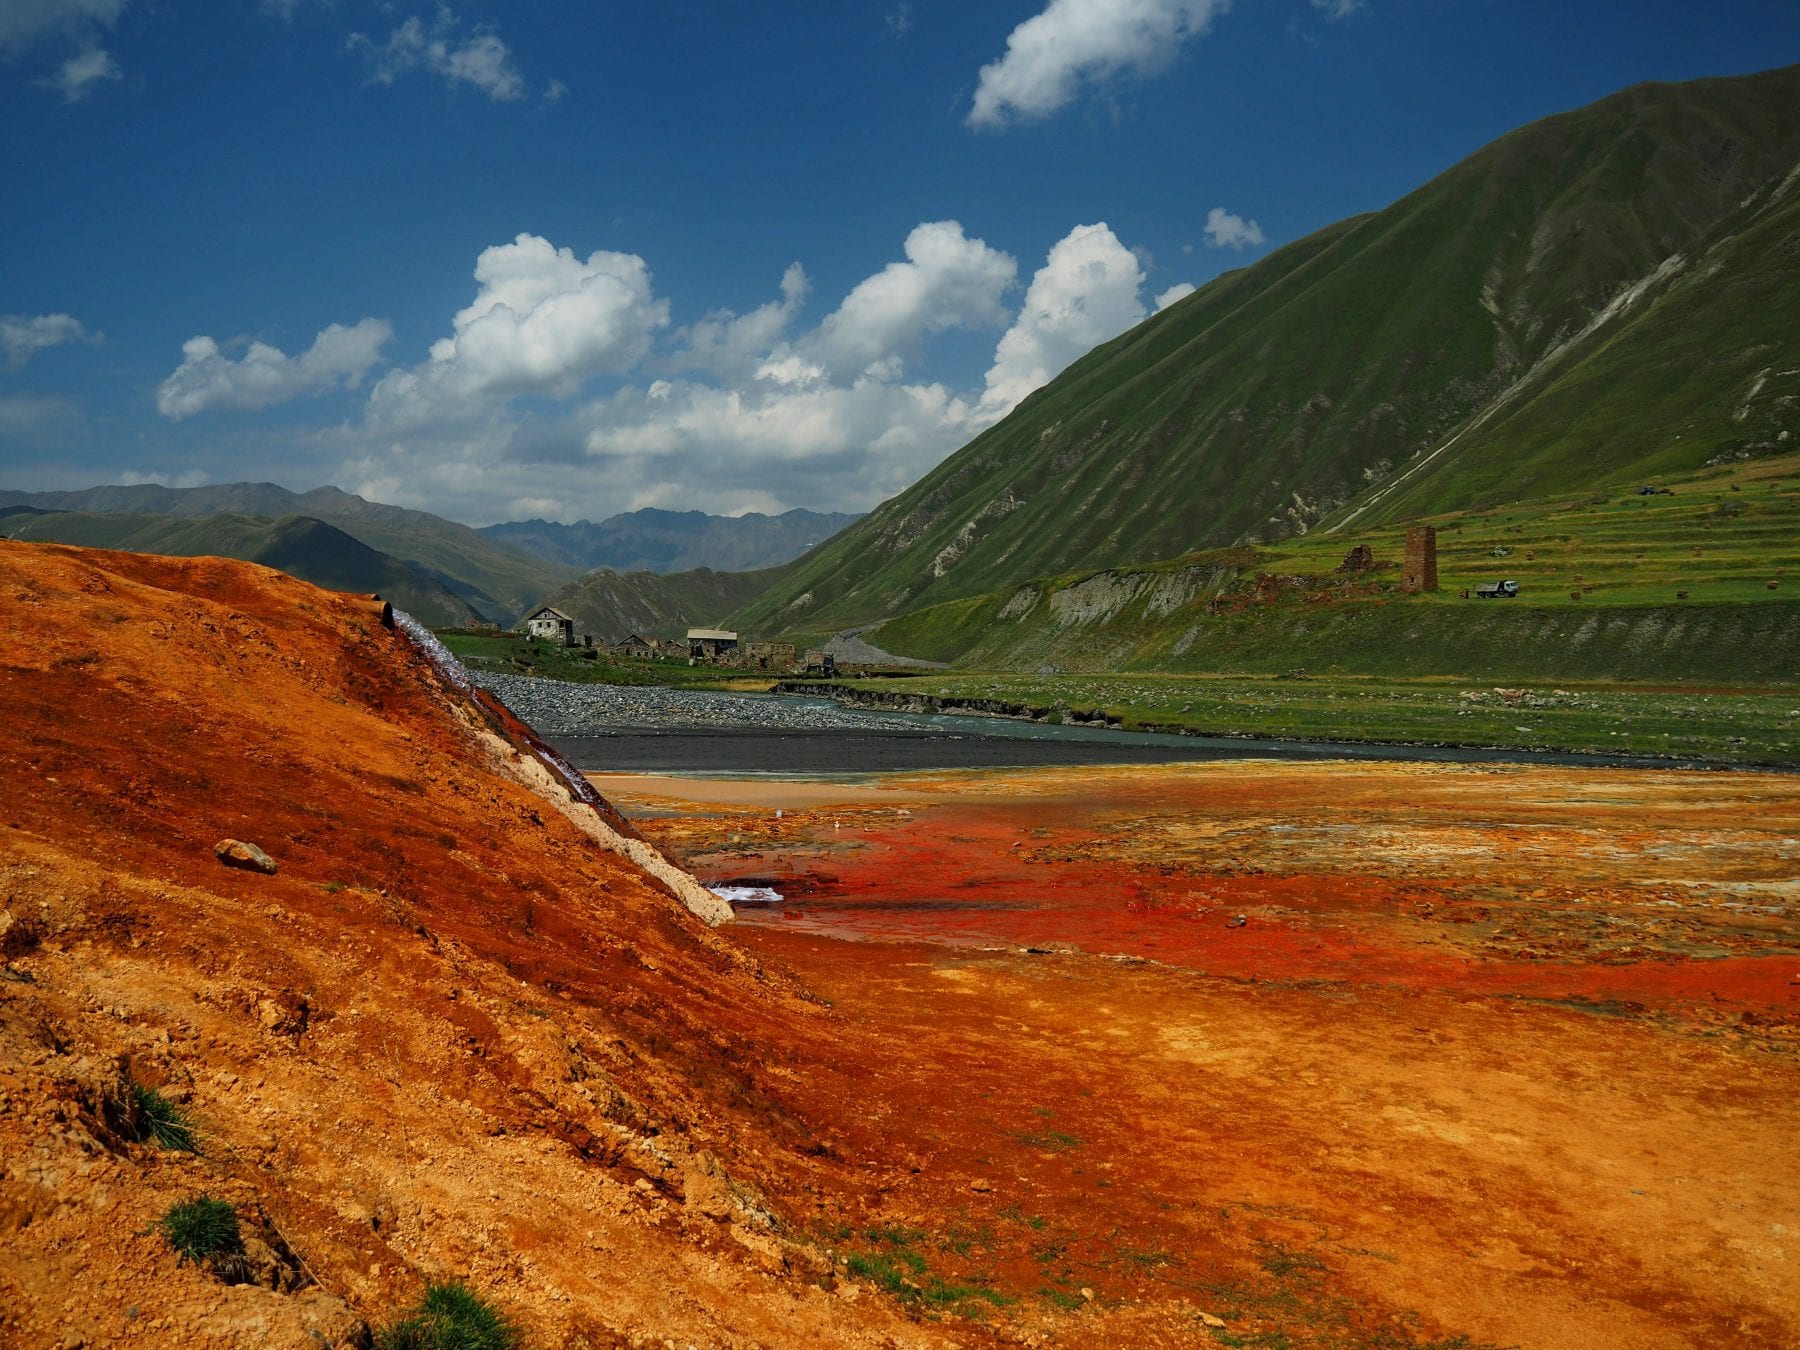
(1179,291)
(1051,55)
(947,281)
(1225,230)
(736,346)
(479,59)
(1339,9)
(542,322)
(1085,293)
(565,382)
(264,375)
(23,336)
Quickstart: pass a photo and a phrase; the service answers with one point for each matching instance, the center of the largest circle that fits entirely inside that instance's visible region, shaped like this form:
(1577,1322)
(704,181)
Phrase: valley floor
(1265,1054)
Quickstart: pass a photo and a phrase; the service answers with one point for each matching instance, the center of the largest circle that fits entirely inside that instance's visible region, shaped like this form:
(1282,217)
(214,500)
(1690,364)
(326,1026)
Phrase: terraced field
(1720,536)
(1691,583)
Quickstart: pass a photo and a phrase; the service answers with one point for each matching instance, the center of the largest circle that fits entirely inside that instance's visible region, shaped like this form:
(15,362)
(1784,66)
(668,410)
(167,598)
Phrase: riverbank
(649,729)
(1737,726)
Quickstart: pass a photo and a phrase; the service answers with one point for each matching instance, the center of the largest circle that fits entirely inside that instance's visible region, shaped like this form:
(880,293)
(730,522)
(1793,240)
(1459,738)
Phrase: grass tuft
(163,1121)
(451,1317)
(203,1230)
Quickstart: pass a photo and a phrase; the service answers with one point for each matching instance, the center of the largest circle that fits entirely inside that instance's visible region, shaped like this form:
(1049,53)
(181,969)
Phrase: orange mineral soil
(1249,1054)
(1335,1054)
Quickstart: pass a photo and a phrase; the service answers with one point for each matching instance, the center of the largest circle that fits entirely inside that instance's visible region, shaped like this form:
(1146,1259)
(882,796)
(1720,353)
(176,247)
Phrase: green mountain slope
(1288,393)
(298,545)
(1699,367)
(495,579)
(610,605)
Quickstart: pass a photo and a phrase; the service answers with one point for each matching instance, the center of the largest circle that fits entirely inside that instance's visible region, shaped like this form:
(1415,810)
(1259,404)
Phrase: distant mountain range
(497,582)
(298,545)
(1600,297)
(443,572)
(652,540)
(1605,294)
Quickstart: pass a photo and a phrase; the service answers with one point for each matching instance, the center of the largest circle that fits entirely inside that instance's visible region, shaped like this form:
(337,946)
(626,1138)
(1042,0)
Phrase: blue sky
(504,260)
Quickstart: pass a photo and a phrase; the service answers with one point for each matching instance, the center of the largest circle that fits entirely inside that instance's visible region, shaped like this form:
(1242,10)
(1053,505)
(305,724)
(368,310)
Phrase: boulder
(237,853)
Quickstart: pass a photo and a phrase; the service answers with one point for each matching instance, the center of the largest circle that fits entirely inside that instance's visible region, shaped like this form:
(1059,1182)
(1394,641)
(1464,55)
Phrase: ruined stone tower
(1419,572)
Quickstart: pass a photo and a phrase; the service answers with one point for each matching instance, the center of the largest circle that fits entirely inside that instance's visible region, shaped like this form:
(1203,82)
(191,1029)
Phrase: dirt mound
(456,1035)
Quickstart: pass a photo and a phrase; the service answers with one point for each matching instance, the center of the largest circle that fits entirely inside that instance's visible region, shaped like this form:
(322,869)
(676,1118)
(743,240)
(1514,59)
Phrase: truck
(1497,590)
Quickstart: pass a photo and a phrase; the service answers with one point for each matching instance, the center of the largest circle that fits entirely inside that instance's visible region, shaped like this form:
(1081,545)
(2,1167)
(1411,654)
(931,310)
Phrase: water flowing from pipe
(450,670)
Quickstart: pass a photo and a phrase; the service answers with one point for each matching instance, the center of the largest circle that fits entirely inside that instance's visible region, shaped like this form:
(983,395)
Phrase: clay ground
(1334,1054)
(1494,1053)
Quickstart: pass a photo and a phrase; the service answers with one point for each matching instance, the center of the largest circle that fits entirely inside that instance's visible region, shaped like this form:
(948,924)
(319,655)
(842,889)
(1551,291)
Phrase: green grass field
(1721,535)
(1629,667)
(1599,295)
(1735,727)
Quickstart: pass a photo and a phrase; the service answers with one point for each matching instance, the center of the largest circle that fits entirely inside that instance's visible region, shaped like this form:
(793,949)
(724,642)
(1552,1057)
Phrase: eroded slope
(452,1037)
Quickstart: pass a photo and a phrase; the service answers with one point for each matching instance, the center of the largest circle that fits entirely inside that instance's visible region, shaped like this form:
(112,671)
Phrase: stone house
(711,646)
(546,622)
(638,646)
(769,656)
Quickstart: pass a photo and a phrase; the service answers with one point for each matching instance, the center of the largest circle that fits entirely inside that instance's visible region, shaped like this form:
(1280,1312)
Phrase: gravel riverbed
(560,708)
(651,729)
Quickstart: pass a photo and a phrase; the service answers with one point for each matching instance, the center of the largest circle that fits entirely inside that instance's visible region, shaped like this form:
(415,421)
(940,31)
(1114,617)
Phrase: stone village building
(639,646)
(553,624)
(769,656)
(711,646)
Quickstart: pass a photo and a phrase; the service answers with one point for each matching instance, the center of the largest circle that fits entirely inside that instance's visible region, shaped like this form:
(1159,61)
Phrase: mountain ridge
(302,546)
(653,539)
(495,580)
(612,605)
(1279,395)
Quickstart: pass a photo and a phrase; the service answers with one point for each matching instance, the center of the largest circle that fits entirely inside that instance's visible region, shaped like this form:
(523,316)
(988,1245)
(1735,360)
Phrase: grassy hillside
(612,604)
(1697,583)
(298,545)
(1285,394)
(1699,369)
(496,580)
